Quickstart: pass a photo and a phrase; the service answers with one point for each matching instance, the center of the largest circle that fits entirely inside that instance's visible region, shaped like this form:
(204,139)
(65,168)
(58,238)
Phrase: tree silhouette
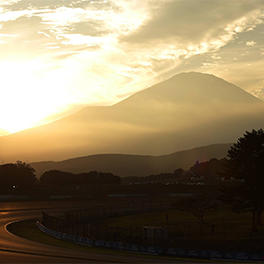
(17,175)
(245,162)
(210,171)
(56,177)
(200,206)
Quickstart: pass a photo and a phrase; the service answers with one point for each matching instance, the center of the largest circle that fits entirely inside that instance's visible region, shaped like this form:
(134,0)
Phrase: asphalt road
(14,249)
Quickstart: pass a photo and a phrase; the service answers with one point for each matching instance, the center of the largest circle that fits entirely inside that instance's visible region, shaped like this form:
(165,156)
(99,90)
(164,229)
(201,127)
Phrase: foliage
(56,177)
(245,162)
(164,178)
(210,171)
(17,175)
(246,158)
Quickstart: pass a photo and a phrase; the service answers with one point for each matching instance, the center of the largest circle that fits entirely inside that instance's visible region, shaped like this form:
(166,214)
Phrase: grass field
(222,229)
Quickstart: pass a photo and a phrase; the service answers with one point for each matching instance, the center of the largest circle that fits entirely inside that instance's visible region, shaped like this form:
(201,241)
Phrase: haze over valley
(135,165)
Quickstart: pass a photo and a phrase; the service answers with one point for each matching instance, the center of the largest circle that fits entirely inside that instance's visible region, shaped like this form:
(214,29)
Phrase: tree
(209,171)
(17,175)
(200,206)
(245,162)
(56,177)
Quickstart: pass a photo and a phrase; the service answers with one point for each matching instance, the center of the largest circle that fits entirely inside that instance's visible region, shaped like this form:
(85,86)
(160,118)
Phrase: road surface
(14,249)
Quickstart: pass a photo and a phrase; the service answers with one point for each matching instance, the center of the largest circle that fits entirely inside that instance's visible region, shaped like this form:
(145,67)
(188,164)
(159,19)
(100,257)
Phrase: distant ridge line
(135,165)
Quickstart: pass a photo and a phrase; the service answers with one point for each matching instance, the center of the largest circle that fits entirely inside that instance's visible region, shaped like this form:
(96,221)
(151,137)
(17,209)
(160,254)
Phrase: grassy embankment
(222,229)
(28,230)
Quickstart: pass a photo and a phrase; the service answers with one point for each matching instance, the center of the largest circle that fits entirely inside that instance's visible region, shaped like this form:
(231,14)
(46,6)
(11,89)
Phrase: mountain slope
(134,165)
(186,111)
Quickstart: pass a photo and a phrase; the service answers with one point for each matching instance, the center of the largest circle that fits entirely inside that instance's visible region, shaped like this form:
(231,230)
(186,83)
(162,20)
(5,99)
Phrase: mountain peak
(192,87)
(201,76)
(193,74)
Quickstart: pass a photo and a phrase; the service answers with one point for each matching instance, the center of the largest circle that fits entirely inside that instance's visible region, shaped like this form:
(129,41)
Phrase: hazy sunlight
(30,95)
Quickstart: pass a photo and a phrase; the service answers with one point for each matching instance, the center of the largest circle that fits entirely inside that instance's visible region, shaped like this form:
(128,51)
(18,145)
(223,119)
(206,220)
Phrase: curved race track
(14,249)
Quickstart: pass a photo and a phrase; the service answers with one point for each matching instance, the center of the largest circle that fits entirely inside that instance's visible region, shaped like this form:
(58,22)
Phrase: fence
(87,222)
(177,252)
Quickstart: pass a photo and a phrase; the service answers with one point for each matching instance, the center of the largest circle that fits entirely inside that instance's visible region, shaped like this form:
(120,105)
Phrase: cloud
(54,4)
(191,21)
(251,43)
(122,32)
(90,28)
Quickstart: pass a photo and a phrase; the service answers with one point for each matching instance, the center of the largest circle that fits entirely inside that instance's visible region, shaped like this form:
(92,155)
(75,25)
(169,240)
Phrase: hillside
(135,165)
(183,112)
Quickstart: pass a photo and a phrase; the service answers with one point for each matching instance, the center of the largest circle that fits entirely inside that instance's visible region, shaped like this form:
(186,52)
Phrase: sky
(58,55)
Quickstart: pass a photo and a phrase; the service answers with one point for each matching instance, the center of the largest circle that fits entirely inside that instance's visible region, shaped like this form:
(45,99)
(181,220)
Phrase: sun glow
(29,94)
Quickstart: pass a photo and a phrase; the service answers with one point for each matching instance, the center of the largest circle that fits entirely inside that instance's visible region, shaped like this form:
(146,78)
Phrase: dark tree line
(55,177)
(210,172)
(20,177)
(156,178)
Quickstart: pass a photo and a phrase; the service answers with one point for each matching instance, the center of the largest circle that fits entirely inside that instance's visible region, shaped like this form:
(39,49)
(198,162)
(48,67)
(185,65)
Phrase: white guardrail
(177,252)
